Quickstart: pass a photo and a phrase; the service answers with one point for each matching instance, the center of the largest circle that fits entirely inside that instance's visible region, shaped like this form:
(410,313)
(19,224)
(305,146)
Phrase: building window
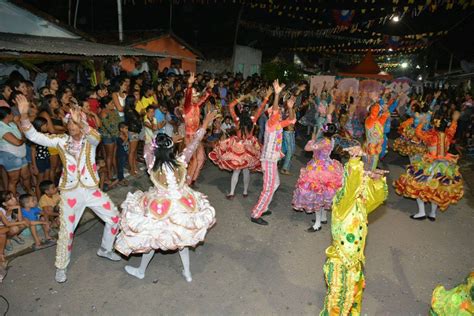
(254,69)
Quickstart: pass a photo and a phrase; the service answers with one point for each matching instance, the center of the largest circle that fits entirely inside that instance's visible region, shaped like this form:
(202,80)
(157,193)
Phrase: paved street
(243,268)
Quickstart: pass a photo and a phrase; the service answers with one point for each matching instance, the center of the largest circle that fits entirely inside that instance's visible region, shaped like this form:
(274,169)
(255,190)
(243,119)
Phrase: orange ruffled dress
(408,144)
(435,177)
(237,153)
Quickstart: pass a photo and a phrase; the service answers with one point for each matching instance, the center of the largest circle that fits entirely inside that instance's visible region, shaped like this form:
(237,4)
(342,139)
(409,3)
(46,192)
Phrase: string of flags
(342,49)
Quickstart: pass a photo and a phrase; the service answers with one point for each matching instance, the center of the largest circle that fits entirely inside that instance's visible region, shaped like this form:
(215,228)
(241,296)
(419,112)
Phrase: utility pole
(236,35)
(171,16)
(120,25)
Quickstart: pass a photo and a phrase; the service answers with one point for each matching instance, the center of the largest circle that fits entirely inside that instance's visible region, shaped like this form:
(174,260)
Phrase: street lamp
(404,64)
(396,18)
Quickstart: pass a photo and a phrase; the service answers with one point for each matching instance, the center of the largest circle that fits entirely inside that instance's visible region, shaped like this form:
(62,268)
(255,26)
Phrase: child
(151,130)
(49,201)
(40,156)
(34,216)
(10,220)
(122,152)
(227,125)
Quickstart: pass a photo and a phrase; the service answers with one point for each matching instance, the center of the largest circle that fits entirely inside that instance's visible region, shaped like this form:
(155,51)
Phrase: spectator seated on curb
(49,202)
(34,216)
(11,222)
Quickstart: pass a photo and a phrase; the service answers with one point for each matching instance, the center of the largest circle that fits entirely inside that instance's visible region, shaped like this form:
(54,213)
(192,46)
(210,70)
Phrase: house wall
(215,65)
(170,46)
(247,60)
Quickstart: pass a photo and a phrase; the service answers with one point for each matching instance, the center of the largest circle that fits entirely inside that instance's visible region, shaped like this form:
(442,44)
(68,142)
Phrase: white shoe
(134,271)
(108,254)
(60,276)
(187,276)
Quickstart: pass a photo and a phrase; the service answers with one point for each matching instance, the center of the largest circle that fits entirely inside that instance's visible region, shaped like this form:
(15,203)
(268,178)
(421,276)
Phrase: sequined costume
(458,301)
(79,186)
(343,270)
(169,215)
(191,122)
(319,180)
(434,177)
(240,151)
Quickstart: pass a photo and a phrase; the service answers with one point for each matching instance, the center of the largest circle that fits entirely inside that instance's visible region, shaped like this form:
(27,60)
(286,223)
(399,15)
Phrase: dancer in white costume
(79,184)
(170,215)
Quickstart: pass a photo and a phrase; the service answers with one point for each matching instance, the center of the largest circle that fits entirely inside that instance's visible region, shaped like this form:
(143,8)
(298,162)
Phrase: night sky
(210,25)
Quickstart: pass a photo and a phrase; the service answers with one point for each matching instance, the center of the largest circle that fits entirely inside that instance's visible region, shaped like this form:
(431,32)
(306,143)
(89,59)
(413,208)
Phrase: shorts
(53,151)
(11,162)
(109,140)
(133,136)
(43,165)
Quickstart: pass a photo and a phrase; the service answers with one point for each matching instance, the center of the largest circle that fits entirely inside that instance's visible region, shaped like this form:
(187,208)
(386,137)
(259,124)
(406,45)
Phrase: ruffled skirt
(317,185)
(152,220)
(437,181)
(235,153)
(406,147)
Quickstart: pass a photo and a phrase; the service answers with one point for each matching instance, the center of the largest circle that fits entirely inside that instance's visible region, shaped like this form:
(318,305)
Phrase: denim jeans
(288,148)
(122,157)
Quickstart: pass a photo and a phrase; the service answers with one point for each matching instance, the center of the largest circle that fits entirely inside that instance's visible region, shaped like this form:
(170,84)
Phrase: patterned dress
(319,180)
(434,177)
(343,270)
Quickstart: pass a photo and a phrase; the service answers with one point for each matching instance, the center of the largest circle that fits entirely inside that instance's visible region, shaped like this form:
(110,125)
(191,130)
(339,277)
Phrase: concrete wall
(214,65)
(247,60)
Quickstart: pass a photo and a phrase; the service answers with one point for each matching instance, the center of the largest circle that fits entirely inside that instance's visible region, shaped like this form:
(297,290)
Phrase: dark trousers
(122,157)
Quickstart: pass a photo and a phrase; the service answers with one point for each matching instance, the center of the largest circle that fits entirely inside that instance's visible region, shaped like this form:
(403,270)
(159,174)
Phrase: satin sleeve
(347,195)
(377,192)
(191,148)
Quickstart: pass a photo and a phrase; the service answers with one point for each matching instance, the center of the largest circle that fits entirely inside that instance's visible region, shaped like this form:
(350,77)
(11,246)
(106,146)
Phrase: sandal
(18,240)
(123,183)
(229,196)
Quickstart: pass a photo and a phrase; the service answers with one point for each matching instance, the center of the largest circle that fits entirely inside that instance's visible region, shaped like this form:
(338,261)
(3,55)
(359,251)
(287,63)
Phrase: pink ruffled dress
(319,180)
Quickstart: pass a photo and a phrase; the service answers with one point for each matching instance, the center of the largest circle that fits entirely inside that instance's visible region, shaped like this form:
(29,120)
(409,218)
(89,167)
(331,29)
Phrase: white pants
(73,204)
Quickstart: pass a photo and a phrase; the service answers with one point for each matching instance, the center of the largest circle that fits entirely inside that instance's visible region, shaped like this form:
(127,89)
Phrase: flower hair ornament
(165,142)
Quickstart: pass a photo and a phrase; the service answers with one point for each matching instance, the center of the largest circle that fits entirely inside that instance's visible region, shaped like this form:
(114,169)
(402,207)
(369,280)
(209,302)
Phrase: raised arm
(80,119)
(262,106)
(347,195)
(30,132)
(232,111)
(191,148)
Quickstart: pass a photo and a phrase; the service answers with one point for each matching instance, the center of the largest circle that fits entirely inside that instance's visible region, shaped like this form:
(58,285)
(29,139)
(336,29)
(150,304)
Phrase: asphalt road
(243,268)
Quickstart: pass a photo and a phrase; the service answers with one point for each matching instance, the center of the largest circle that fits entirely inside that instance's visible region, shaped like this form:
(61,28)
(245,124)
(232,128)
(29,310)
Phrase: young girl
(110,131)
(40,156)
(435,177)
(170,215)
(242,151)
(319,180)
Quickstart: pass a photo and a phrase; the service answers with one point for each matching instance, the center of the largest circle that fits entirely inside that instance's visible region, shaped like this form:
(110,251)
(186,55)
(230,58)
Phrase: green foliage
(282,71)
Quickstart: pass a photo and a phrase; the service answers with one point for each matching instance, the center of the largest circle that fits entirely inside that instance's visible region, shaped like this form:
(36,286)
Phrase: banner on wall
(318,82)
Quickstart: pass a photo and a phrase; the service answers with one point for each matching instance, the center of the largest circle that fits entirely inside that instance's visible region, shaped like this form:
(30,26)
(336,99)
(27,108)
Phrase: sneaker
(108,255)
(60,276)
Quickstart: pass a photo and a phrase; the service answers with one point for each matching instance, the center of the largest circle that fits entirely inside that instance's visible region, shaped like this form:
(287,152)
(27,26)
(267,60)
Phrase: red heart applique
(114,230)
(160,207)
(72,168)
(188,201)
(72,218)
(97,193)
(69,248)
(94,167)
(71,235)
(115,219)
(106,206)
(71,202)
